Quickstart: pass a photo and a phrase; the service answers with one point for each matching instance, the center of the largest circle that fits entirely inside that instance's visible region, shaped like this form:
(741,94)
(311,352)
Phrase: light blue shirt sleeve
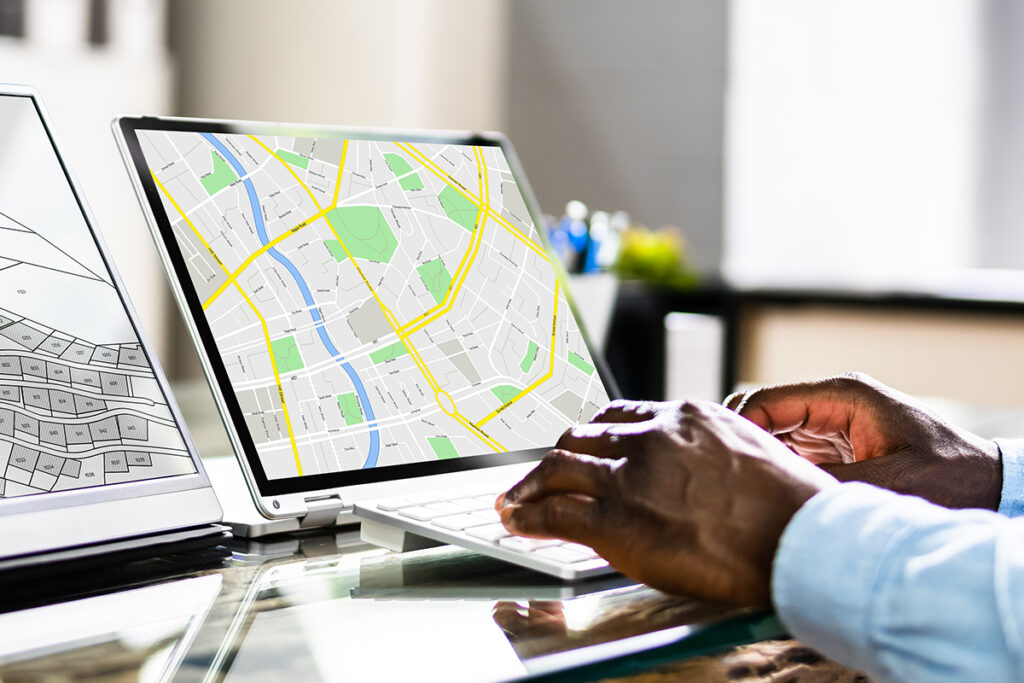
(904,590)
(1012,452)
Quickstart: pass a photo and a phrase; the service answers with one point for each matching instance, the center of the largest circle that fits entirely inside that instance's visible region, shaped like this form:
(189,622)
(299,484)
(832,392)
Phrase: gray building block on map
(132,355)
(368,322)
(104,430)
(10,365)
(25,336)
(104,354)
(51,464)
(569,404)
(6,422)
(115,461)
(33,367)
(55,345)
(62,402)
(26,424)
(86,378)
(72,468)
(328,149)
(247,402)
(52,433)
(114,385)
(257,429)
(23,458)
(37,398)
(58,372)
(139,459)
(88,404)
(303,146)
(133,427)
(77,434)
(12,394)
(77,352)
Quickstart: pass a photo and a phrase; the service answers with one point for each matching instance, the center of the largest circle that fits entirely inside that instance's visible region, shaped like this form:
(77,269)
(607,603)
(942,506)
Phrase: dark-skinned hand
(858,429)
(687,497)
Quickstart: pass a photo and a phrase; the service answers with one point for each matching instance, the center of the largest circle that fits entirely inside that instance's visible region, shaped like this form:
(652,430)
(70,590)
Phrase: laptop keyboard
(467,518)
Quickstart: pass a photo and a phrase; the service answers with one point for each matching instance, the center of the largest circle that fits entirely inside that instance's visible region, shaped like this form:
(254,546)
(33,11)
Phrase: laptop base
(39,565)
(242,515)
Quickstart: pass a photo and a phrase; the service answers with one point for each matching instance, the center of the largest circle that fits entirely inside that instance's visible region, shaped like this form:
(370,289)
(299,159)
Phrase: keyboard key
(526,545)
(489,532)
(585,550)
(396,504)
(563,554)
(472,504)
(422,513)
(490,516)
(458,522)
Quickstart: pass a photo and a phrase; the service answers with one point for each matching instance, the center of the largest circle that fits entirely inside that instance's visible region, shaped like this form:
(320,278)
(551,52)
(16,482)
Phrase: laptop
(94,456)
(376,310)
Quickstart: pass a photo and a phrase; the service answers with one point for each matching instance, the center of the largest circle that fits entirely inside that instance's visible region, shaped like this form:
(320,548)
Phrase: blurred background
(844,173)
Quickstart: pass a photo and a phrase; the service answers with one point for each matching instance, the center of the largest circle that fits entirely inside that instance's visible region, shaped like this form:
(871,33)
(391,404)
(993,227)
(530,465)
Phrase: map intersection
(374,302)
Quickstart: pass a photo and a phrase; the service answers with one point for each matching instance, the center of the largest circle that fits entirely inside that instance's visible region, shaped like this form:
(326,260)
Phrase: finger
(559,471)
(560,516)
(628,411)
(785,407)
(600,440)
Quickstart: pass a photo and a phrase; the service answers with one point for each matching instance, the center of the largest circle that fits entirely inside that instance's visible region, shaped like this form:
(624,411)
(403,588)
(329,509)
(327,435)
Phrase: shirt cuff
(823,582)
(1011,451)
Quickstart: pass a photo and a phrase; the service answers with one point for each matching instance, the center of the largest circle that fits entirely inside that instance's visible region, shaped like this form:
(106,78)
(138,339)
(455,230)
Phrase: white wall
(852,139)
(385,63)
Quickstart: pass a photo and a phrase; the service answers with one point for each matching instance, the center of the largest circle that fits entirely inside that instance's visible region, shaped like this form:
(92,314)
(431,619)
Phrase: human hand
(858,429)
(686,497)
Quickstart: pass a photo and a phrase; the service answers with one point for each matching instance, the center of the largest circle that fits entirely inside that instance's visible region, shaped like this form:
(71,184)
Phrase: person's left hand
(687,497)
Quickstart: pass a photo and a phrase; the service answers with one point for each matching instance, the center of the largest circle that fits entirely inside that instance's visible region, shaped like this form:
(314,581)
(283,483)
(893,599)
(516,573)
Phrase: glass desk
(330,608)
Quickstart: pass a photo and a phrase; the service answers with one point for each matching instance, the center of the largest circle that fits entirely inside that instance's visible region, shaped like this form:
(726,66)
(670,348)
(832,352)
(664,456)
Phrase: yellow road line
(539,381)
(341,165)
(408,148)
(290,170)
(460,277)
(262,250)
(266,331)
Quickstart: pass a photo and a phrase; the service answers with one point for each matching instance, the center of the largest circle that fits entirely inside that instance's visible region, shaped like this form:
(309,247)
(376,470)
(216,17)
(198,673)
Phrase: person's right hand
(858,429)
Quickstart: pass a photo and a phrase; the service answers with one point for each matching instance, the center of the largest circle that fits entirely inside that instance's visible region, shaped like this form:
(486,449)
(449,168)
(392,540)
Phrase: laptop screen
(373,303)
(80,404)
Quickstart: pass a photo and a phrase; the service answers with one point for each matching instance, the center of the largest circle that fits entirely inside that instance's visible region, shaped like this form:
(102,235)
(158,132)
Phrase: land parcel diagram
(374,303)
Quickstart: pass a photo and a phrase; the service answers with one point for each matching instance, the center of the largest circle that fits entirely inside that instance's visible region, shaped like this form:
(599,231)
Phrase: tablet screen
(80,405)
(372,302)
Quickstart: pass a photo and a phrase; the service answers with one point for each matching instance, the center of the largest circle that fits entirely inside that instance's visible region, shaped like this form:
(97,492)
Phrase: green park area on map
(286,354)
(365,232)
(505,392)
(577,361)
(400,167)
(389,352)
(349,404)
(436,279)
(531,355)
(443,447)
(220,177)
(293,158)
(458,208)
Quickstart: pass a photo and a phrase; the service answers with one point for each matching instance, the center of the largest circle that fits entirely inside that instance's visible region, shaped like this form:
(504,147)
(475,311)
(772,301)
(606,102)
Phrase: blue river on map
(314,311)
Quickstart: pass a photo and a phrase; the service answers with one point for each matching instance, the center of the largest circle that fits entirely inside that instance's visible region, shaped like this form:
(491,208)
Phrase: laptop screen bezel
(129,127)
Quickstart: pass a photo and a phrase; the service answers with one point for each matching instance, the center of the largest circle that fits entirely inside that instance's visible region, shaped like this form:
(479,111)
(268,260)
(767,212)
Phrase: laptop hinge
(322,511)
